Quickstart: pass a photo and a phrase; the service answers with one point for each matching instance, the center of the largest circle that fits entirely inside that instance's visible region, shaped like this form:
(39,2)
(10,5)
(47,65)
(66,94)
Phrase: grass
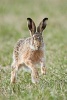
(13,14)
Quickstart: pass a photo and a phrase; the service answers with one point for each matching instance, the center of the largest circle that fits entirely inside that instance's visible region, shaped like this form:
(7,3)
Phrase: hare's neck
(32,47)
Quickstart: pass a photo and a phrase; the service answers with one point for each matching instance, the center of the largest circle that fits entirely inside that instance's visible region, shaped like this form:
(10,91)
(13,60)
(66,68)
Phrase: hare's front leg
(43,68)
(34,75)
(34,72)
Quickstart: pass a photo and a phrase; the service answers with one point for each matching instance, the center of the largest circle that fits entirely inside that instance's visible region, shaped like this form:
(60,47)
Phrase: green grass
(13,25)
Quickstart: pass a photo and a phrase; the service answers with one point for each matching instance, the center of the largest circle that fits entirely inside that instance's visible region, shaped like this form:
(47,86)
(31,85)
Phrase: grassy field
(13,25)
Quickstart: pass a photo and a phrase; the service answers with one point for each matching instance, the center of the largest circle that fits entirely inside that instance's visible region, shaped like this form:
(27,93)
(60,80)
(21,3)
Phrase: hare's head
(36,33)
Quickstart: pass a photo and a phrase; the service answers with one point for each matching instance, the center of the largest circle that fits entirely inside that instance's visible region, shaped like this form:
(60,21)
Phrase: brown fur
(34,56)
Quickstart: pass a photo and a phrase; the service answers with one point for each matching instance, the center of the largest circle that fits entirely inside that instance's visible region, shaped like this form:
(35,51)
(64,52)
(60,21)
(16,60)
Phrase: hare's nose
(38,47)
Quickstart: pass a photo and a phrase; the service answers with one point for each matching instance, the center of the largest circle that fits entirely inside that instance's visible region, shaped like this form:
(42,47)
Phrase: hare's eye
(38,37)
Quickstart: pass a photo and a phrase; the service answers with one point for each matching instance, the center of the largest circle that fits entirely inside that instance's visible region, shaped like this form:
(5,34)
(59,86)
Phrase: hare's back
(21,44)
(20,47)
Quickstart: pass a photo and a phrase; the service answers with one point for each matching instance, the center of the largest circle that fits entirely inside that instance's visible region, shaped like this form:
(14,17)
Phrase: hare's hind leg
(15,68)
(14,72)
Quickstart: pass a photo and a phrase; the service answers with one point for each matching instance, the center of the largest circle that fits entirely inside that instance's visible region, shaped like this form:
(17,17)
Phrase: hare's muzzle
(37,45)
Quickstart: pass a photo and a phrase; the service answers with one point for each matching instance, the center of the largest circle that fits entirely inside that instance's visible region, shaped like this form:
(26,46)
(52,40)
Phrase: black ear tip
(45,19)
(29,19)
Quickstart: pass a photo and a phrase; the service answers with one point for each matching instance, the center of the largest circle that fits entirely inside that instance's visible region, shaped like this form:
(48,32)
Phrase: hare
(30,51)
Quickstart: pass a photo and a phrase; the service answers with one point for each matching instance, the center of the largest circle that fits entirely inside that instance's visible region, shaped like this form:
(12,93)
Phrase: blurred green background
(13,25)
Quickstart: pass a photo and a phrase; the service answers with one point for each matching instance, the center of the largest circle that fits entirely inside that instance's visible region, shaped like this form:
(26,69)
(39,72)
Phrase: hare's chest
(34,56)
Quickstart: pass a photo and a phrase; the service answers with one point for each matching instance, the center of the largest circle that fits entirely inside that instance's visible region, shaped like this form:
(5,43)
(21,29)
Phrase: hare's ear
(31,26)
(42,25)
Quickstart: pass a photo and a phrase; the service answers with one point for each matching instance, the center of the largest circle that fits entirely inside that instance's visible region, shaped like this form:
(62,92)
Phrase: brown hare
(30,51)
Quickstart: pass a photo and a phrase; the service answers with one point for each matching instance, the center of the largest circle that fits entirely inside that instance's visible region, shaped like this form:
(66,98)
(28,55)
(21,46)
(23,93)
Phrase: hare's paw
(13,77)
(35,78)
(43,70)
